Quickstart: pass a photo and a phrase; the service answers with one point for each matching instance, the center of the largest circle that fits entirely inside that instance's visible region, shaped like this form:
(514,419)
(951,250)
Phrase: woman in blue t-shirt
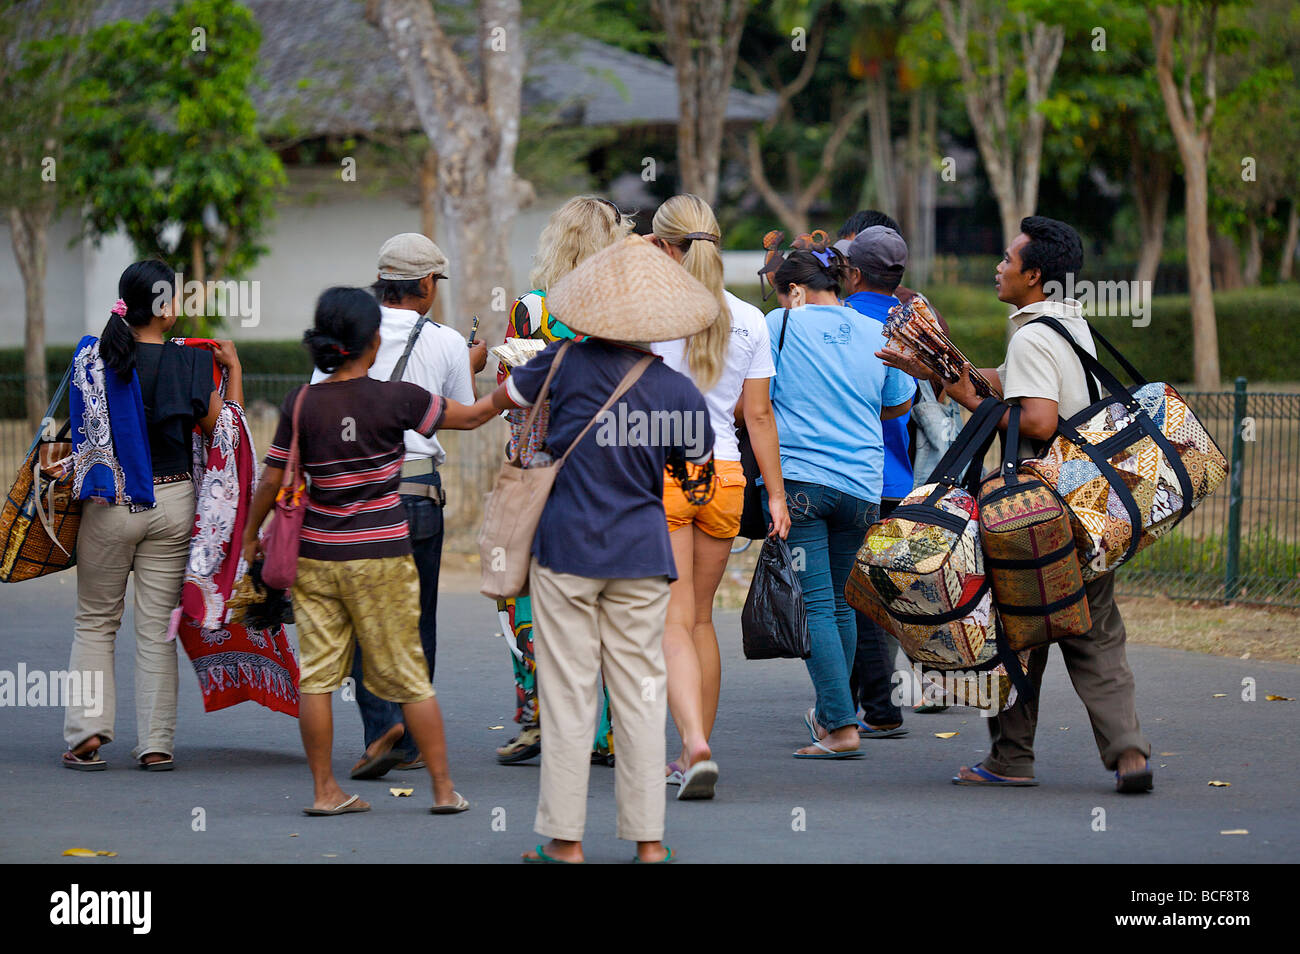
(830,395)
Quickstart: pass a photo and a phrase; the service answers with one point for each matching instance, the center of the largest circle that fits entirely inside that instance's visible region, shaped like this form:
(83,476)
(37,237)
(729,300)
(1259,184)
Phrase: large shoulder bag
(514,507)
(283,536)
(753,525)
(41,515)
(1130,466)
(1029,553)
(920,572)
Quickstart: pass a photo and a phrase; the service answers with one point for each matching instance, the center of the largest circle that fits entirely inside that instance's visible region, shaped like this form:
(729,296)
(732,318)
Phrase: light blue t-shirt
(828,392)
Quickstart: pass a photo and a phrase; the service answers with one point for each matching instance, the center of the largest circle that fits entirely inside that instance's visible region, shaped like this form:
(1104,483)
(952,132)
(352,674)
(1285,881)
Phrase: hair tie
(706,236)
(119,308)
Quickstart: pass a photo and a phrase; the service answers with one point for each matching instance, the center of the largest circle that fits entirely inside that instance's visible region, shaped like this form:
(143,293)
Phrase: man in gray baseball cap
(414,348)
(880,255)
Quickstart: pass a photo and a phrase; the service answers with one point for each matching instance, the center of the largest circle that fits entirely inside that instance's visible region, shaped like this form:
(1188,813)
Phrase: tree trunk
(884,194)
(1152,174)
(927,184)
(29,229)
(1225,262)
(1289,246)
(1192,134)
(1254,256)
(1205,338)
(428,211)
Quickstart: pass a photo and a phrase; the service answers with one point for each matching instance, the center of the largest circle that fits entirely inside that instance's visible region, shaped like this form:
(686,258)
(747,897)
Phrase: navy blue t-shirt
(605,516)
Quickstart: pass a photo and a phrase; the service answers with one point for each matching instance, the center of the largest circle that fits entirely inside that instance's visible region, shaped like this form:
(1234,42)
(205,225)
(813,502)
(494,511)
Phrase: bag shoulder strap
(1011,446)
(629,379)
(1091,366)
(61,390)
(970,444)
(399,369)
(293,466)
(780,342)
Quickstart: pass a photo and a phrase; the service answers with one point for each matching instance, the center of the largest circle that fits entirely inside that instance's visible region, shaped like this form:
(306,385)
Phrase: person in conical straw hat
(602,561)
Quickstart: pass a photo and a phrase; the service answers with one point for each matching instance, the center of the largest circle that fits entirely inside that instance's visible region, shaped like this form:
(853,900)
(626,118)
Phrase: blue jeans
(424,520)
(826,529)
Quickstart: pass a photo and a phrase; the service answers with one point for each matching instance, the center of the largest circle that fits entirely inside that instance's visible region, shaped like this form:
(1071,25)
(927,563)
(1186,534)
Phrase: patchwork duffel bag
(920,572)
(1130,466)
(1030,556)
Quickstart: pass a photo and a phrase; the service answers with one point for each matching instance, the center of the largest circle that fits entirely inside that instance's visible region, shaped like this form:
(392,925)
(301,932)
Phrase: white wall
(313,243)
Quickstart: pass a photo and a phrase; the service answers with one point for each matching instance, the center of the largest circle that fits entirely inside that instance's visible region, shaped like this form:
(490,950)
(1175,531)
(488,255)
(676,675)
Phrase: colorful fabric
(907,568)
(110,438)
(1031,562)
(1103,528)
(234,663)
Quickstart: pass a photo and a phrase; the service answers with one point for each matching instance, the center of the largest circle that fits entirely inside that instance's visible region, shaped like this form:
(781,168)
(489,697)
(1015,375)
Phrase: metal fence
(1242,544)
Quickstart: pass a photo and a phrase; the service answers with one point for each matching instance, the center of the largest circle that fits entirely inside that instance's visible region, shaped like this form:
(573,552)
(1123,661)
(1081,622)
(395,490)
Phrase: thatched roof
(324,70)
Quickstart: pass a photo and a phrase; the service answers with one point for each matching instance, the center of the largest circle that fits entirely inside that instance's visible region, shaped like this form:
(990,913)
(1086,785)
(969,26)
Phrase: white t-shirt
(439,363)
(749,355)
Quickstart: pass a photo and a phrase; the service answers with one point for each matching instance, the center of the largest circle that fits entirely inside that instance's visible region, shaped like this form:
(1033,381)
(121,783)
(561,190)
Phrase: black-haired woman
(357,583)
(134,402)
(830,394)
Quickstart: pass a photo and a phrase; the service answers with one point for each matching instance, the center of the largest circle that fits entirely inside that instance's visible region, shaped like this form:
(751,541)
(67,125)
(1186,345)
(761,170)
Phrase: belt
(432,491)
(418,467)
(171,479)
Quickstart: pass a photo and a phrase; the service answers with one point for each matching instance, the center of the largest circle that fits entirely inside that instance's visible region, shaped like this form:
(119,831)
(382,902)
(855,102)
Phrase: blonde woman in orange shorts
(731,363)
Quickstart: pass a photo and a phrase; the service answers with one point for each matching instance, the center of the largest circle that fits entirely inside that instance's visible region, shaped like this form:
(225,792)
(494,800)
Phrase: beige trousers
(112,542)
(581,628)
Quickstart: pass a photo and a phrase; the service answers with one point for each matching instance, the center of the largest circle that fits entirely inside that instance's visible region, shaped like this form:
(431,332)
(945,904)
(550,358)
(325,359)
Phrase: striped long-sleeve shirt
(351,445)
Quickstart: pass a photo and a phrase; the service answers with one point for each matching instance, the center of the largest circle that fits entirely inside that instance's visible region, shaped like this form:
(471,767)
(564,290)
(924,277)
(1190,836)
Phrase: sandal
(348,807)
(1135,783)
(667,859)
(461,804)
(526,745)
(84,763)
(544,859)
(828,753)
(988,778)
(158,765)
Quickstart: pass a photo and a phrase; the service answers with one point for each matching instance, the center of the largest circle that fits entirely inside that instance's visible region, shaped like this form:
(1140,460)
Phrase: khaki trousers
(112,542)
(1098,668)
(583,627)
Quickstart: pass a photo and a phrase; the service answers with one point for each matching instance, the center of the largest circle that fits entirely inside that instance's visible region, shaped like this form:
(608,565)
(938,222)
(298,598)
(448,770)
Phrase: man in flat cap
(417,349)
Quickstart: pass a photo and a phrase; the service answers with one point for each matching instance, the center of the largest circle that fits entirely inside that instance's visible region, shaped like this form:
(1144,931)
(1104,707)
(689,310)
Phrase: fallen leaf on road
(945,735)
(1064,728)
(293,834)
(1168,753)
(1235,831)
(1217,784)
(401,792)
(89,853)
(329,856)
(1278,699)
(495,727)
(1219,695)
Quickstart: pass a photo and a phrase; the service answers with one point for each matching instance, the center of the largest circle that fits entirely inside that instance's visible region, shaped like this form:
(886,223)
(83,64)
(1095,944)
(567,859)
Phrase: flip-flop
(997,781)
(348,807)
(698,781)
(1135,783)
(544,859)
(461,804)
(88,763)
(674,776)
(829,753)
(867,732)
(161,765)
(928,708)
(377,766)
(665,860)
(810,720)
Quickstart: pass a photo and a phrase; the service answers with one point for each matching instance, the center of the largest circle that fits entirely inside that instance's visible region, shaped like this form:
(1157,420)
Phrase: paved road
(245,768)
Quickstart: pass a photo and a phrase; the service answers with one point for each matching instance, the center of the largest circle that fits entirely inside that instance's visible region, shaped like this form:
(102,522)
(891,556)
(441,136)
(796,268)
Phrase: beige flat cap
(632,291)
(411,256)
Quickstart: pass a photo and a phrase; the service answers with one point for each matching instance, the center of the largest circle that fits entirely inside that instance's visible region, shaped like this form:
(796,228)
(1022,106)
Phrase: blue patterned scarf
(110,439)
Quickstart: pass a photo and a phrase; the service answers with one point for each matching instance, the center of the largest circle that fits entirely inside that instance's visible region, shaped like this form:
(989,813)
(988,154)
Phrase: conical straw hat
(632,291)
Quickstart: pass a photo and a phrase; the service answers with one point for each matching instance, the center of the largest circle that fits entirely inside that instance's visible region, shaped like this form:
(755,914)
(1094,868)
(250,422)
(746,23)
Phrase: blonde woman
(577,230)
(731,363)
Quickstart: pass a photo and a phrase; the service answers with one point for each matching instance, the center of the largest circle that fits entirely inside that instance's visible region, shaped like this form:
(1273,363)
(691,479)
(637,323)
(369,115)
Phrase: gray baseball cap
(411,256)
(879,249)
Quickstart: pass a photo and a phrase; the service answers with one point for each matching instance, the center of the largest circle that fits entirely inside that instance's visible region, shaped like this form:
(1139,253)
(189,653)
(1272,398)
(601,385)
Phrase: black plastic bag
(774,624)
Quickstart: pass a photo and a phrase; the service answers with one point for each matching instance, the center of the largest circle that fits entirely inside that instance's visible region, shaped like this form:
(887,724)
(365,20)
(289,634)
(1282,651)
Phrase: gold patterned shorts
(339,604)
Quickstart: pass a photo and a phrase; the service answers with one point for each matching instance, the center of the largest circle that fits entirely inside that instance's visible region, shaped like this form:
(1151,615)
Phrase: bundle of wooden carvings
(913,330)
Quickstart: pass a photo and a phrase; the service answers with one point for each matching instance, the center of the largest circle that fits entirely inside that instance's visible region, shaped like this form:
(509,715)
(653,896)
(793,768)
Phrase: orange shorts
(720,517)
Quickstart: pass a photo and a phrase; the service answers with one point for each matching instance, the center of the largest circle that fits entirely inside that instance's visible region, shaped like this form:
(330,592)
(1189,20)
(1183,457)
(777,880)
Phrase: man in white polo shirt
(1044,376)
(416,349)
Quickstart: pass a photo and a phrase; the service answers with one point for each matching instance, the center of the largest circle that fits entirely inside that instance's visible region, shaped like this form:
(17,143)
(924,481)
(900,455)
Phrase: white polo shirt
(439,363)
